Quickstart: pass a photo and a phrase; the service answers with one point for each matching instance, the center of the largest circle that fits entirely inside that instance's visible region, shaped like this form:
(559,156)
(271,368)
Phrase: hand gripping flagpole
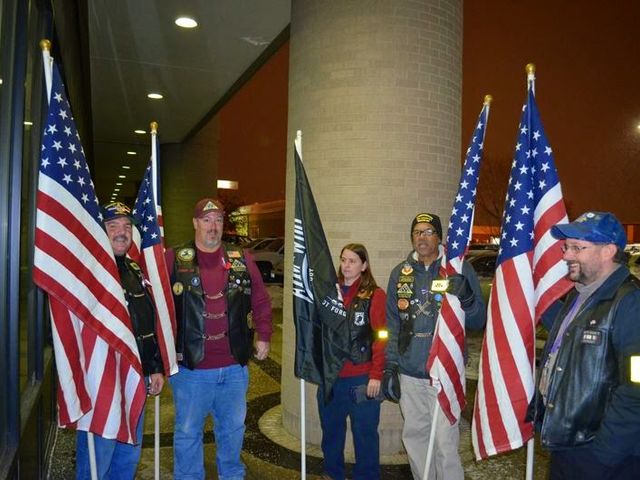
(531,83)
(303,416)
(156,410)
(45,46)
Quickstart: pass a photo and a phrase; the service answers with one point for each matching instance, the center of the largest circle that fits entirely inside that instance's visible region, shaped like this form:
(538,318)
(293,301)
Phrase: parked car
(236,239)
(483,262)
(269,257)
(634,264)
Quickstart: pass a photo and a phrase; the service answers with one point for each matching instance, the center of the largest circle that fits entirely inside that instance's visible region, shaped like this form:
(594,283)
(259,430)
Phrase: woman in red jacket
(356,390)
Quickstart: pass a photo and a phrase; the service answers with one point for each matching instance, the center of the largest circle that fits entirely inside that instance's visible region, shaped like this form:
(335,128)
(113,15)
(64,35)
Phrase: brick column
(375,87)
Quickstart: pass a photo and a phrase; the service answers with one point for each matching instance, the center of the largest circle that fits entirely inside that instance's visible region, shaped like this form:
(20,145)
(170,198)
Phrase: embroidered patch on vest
(238,266)
(359,319)
(403,304)
(407,269)
(404,291)
(592,337)
(234,254)
(178,288)
(186,254)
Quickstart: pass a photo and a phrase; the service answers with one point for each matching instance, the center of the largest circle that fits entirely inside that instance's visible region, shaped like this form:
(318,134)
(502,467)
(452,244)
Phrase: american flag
(100,376)
(529,277)
(446,358)
(148,250)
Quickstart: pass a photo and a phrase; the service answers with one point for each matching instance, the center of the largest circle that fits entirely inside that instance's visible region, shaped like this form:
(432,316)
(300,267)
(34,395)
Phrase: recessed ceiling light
(118,184)
(155,96)
(132,153)
(122,176)
(28,123)
(186,22)
(139,132)
(116,190)
(126,167)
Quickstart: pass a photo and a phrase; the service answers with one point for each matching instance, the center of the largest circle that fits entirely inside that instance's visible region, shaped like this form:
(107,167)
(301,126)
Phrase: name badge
(439,285)
(592,337)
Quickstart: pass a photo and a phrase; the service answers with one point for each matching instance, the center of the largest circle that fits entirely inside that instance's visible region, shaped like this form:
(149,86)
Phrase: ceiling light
(186,22)
(139,132)
(122,176)
(118,184)
(126,167)
(28,123)
(155,96)
(132,153)
(116,190)
(227,184)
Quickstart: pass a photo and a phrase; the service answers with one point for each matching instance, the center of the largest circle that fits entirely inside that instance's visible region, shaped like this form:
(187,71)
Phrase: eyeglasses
(575,249)
(427,232)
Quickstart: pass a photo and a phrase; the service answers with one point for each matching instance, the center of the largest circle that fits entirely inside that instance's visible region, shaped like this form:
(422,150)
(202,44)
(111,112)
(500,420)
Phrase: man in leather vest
(115,459)
(220,301)
(412,311)
(586,405)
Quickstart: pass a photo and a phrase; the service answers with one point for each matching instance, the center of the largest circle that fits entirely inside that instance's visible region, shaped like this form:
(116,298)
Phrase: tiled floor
(266,459)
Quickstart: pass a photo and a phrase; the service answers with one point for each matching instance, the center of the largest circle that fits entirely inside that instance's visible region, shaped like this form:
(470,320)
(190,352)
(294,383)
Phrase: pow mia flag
(322,333)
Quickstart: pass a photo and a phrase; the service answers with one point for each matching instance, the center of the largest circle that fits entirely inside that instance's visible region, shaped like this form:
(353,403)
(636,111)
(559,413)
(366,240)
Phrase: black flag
(322,334)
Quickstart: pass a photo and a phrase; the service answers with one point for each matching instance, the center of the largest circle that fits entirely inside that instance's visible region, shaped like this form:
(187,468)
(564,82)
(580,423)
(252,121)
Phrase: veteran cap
(430,218)
(207,205)
(115,210)
(597,227)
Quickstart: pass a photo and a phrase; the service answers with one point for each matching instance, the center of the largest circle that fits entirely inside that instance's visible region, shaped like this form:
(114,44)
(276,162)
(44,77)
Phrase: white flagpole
(432,438)
(47,61)
(303,416)
(156,423)
(531,83)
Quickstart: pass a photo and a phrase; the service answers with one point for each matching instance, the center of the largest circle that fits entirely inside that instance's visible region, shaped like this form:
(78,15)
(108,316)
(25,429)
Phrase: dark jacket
(190,305)
(590,397)
(142,313)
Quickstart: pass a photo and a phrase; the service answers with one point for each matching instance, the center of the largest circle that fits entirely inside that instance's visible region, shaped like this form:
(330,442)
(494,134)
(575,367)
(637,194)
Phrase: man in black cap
(412,311)
(587,402)
(115,459)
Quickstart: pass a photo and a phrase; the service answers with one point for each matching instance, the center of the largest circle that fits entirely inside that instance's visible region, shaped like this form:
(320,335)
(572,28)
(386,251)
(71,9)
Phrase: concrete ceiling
(136,49)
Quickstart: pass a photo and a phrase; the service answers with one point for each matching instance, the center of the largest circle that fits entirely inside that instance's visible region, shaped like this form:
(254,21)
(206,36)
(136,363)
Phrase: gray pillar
(375,87)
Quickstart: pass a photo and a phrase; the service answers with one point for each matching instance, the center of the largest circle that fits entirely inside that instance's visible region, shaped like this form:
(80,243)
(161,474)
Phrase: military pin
(178,288)
(195,281)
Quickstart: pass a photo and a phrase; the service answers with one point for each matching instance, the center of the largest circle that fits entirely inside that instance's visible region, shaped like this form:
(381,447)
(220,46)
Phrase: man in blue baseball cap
(116,459)
(586,404)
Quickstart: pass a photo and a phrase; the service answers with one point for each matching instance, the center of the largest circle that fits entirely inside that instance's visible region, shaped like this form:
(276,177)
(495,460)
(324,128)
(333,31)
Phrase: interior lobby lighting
(122,176)
(155,96)
(28,123)
(118,184)
(227,184)
(139,132)
(126,167)
(186,22)
(132,153)
(116,190)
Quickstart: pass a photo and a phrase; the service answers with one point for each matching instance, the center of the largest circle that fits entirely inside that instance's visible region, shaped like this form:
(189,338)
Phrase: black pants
(581,464)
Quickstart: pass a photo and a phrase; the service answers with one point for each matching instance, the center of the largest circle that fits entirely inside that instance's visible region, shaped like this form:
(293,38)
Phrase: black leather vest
(585,374)
(360,331)
(189,300)
(142,313)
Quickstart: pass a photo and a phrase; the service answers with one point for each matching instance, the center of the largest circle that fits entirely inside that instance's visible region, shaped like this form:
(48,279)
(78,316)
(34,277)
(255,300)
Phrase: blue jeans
(114,460)
(364,416)
(198,393)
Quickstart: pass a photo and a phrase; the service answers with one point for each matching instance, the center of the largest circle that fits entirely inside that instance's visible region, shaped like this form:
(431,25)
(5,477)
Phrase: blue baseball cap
(596,227)
(116,209)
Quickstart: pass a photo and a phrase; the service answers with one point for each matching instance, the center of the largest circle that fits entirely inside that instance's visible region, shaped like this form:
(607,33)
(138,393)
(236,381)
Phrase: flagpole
(156,423)
(303,416)
(531,83)
(45,45)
